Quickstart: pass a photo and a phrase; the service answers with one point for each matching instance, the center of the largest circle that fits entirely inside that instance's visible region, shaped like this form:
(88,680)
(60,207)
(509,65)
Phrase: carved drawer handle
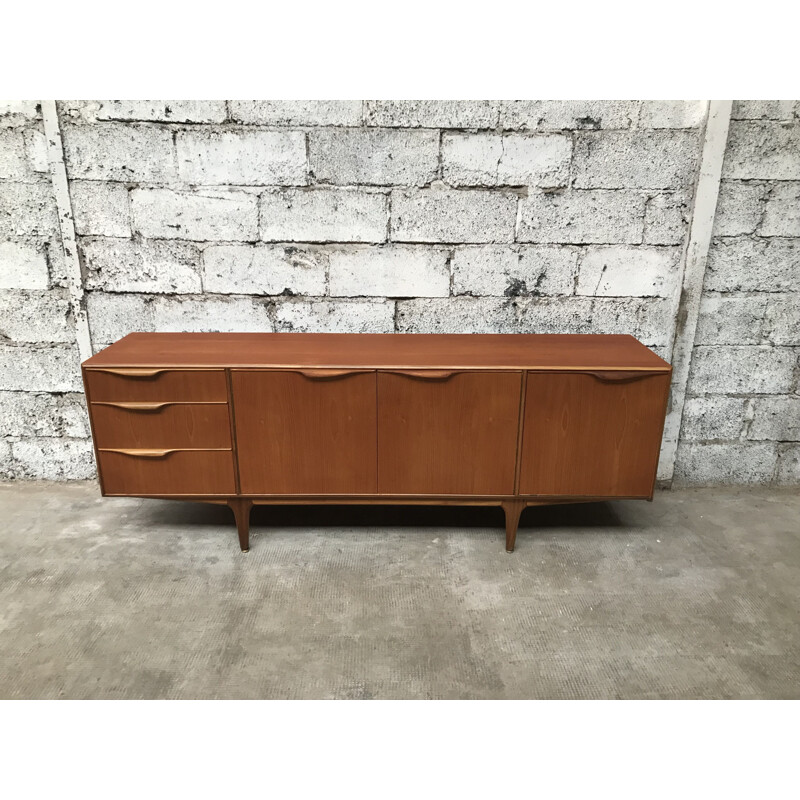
(133,373)
(136,453)
(328,374)
(135,406)
(621,376)
(424,374)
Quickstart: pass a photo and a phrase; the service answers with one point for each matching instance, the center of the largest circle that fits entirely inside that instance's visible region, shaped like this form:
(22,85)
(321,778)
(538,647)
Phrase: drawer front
(155,424)
(168,385)
(167,472)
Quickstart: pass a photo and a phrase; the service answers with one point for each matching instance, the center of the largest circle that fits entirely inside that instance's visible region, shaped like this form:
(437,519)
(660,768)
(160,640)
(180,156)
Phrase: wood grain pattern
(299,435)
(161,385)
(379,351)
(588,436)
(174,425)
(183,472)
(451,436)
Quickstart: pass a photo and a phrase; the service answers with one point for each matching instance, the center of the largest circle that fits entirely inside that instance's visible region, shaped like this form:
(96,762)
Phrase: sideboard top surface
(380,351)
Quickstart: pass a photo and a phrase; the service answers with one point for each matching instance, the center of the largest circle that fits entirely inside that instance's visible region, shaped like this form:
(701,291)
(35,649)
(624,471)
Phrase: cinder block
(788,472)
(782,214)
(323,215)
(457,315)
(666,218)
(27,210)
(448,215)
(6,461)
(739,208)
(380,157)
(53,459)
(643,159)
(432,113)
(648,319)
(35,316)
(728,319)
(36,151)
(100,209)
(511,271)
(762,150)
(28,368)
(582,217)
(742,370)
(782,319)
(136,265)
(242,157)
(205,215)
(488,159)
(713,417)
(264,269)
(162,110)
(23,265)
(19,112)
(296,112)
(753,265)
(201,314)
(391,271)
(624,271)
(119,152)
(334,316)
(557,115)
(765,109)
(737,463)
(15,164)
(112,316)
(776,418)
(25,414)
(672,113)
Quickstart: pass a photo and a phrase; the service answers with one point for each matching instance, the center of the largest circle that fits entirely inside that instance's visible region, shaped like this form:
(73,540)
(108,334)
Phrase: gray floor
(693,595)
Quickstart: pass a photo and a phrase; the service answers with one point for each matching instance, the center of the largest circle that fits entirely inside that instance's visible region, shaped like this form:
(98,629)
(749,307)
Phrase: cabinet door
(305,431)
(443,432)
(592,434)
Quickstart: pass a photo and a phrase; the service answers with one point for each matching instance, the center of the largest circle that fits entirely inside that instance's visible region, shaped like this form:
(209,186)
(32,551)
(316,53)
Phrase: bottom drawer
(167,472)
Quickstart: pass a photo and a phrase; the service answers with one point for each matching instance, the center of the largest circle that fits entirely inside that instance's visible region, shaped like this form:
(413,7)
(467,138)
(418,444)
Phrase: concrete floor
(692,596)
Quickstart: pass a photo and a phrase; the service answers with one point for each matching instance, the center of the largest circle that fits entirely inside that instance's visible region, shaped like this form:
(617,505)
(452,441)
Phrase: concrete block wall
(742,415)
(379,216)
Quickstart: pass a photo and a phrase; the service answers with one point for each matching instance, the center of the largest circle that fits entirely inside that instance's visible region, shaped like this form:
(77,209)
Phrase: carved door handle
(132,373)
(424,374)
(329,374)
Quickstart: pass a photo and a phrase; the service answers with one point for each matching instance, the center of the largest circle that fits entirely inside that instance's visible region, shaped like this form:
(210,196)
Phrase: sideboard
(286,418)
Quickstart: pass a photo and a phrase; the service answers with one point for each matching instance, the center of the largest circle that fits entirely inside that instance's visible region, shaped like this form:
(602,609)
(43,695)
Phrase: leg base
(241,511)
(513,509)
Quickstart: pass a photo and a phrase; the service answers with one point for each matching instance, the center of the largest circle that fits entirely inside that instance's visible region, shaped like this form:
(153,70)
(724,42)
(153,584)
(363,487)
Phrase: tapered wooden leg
(513,509)
(241,511)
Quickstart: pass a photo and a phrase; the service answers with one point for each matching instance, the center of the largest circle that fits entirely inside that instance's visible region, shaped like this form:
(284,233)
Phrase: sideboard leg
(241,511)
(513,510)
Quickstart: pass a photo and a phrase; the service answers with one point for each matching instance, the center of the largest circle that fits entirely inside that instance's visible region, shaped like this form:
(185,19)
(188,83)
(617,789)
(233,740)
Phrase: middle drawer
(161,425)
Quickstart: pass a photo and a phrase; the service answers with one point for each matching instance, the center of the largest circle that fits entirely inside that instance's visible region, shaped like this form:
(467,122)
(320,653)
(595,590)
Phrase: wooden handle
(425,374)
(328,374)
(133,373)
(135,406)
(151,453)
(620,376)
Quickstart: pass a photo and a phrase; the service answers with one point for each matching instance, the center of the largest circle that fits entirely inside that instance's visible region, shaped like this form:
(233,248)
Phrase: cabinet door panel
(305,432)
(447,433)
(592,435)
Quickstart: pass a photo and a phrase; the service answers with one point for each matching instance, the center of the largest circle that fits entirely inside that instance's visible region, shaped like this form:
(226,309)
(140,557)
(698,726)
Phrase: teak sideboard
(285,418)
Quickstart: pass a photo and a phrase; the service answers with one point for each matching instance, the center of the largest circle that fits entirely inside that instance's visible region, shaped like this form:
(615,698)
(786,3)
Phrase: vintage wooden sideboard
(285,418)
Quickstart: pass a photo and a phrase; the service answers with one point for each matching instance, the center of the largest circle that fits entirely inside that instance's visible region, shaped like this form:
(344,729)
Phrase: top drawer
(156,384)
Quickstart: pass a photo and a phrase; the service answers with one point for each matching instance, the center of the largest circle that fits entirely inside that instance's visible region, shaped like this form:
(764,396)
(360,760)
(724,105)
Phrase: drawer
(166,472)
(161,425)
(156,384)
